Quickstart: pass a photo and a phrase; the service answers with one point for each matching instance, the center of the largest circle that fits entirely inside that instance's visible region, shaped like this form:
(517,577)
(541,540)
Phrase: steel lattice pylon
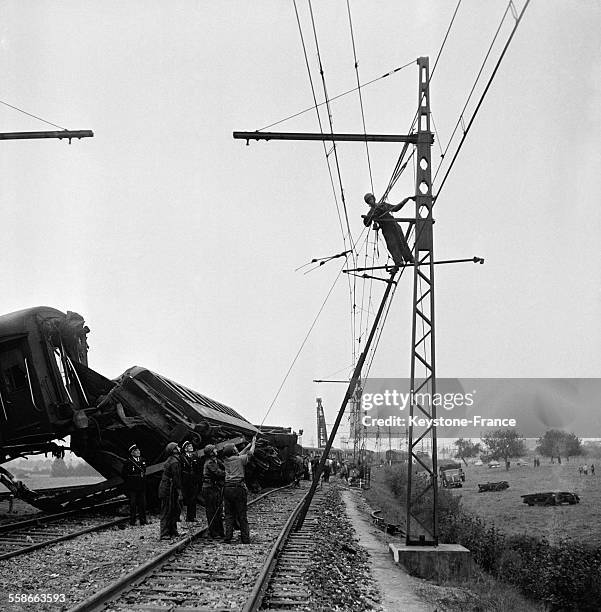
(422,485)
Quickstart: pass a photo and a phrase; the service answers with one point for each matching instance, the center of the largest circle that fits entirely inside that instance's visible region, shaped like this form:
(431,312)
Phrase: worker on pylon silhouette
(395,239)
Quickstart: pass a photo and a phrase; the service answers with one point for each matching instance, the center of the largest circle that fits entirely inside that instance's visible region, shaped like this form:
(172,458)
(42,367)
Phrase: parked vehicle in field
(493,486)
(494,464)
(551,498)
(452,479)
(521,463)
(451,474)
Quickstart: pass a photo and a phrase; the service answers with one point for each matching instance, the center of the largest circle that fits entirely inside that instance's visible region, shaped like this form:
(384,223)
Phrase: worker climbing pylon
(393,235)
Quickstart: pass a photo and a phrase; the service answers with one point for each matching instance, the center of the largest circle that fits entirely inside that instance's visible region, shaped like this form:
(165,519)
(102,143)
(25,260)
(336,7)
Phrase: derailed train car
(47,391)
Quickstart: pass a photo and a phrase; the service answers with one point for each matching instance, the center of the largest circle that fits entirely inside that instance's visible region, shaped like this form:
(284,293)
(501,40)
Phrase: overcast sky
(179,244)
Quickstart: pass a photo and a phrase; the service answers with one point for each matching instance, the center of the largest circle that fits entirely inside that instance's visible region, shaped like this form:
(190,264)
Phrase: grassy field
(22,509)
(480,593)
(48,482)
(509,513)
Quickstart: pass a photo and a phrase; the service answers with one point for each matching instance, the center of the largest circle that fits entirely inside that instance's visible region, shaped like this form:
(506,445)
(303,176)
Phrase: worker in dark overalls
(235,495)
(170,492)
(191,479)
(213,477)
(380,215)
(298,468)
(134,478)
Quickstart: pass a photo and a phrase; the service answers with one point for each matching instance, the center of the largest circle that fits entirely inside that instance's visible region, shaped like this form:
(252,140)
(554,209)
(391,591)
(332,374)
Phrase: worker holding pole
(380,215)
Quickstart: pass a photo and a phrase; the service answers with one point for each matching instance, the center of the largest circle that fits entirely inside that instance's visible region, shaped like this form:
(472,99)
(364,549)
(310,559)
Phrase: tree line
(504,444)
(59,468)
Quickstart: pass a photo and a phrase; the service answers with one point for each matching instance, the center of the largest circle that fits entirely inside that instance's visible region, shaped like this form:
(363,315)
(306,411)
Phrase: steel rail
(255,599)
(45,518)
(68,536)
(97,600)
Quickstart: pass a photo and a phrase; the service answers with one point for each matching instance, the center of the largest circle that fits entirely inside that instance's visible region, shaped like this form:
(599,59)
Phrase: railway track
(282,584)
(198,575)
(23,537)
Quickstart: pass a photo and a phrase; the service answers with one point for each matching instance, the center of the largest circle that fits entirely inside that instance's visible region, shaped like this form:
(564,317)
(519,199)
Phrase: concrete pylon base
(434,562)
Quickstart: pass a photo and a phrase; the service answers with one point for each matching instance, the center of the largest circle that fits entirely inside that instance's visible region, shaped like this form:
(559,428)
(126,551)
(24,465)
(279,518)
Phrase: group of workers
(186,473)
(306,467)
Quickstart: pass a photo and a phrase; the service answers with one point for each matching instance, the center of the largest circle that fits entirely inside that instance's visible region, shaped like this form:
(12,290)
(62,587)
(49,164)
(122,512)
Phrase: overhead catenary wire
(330,119)
(340,95)
(345,235)
(300,30)
(444,41)
(461,118)
(304,341)
(400,166)
(350,19)
(488,84)
(32,115)
(376,343)
(302,345)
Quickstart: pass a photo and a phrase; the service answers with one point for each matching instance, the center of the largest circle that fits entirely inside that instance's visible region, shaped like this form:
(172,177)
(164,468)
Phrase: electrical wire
(492,76)
(31,115)
(444,40)
(340,95)
(469,97)
(351,282)
(302,345)
(400,166)
(350,19)
(300,29)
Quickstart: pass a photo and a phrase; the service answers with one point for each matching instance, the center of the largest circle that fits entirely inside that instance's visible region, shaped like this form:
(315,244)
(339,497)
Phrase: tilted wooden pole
(349,393)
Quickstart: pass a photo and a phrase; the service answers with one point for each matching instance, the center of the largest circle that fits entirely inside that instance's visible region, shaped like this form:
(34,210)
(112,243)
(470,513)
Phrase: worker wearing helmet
(191,478)
(170,492)
(393,235)
(134,479)
(235,495)
(213,476)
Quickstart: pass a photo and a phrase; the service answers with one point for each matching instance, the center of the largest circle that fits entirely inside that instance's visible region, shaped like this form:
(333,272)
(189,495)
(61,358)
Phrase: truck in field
(451,475)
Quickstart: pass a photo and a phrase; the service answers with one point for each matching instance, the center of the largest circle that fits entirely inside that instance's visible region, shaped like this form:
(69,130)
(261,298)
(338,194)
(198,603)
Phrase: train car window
(15,377)
(183,391)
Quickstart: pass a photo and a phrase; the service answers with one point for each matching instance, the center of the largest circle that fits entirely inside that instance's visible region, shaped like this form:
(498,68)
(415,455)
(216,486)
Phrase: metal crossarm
(323,136)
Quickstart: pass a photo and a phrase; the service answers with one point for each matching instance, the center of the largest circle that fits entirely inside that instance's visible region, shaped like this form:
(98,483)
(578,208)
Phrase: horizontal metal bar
(386,280)
(56,134)
(479,260)
(412,138)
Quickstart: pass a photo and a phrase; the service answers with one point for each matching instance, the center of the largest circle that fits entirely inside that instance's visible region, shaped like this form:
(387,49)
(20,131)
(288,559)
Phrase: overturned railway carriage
(285,441)
(47,391)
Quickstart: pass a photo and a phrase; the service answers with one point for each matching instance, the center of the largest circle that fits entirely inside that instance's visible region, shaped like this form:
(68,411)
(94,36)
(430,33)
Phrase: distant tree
(503,444)
(59,468)
(83,469)
(466,449)
(557,443)
(592,449)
